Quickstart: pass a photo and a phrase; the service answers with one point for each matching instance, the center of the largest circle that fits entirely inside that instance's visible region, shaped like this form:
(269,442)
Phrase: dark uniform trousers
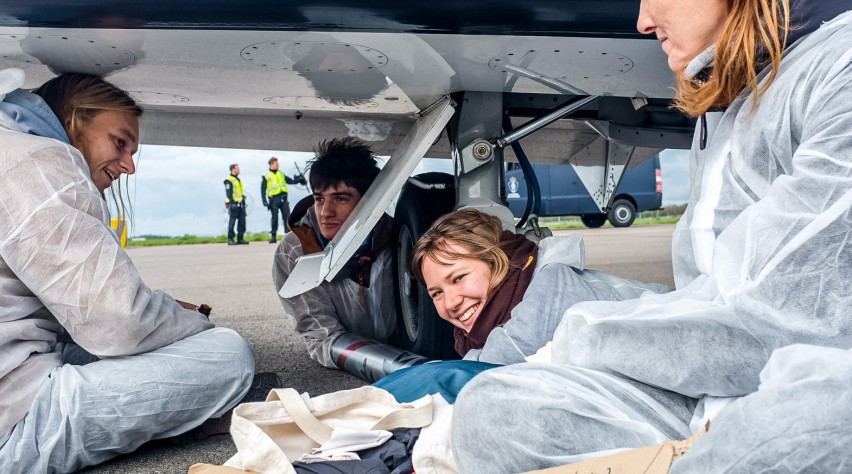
(236,213)
(278,203)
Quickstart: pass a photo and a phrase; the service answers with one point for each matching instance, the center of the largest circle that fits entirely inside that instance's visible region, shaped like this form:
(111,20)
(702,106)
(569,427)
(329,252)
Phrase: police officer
(236,203)
(273,188)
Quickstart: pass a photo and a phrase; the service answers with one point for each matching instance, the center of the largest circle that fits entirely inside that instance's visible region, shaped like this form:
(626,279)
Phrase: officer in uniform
(236,203)
(273,188)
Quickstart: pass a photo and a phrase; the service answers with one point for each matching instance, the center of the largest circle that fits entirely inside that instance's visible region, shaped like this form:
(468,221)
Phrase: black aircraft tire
(593,221)
(622,213)
(420,329)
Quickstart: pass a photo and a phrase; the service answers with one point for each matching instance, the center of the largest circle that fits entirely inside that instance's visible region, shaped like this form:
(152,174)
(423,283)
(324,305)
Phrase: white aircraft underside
(254,89)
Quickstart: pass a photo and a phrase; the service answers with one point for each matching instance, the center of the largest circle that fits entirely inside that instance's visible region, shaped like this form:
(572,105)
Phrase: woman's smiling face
(458,288)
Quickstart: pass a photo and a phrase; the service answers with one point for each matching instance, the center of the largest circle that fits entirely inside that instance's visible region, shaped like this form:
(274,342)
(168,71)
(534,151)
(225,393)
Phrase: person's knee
(231,340)
(235,353)
(235,343)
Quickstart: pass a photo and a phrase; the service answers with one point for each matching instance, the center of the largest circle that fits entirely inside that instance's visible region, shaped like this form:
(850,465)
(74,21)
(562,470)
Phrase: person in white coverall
(762,257)
(360,299)
(503,293)
(94,363)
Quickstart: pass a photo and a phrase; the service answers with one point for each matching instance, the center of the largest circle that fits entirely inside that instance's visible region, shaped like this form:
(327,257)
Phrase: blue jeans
(446,377)
(90,410)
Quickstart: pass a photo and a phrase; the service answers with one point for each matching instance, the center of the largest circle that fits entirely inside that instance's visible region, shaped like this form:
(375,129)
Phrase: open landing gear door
(312,269)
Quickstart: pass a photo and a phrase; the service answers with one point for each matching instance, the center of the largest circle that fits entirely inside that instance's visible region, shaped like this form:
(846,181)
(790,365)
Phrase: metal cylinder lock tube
(368,359)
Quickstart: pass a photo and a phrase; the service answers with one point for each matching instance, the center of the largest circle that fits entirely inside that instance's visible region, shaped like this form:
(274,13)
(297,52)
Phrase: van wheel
(622,214)
(420,329)
(593,221)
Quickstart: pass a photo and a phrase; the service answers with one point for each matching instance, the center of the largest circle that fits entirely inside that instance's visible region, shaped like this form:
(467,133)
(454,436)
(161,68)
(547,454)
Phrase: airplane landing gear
(422,200)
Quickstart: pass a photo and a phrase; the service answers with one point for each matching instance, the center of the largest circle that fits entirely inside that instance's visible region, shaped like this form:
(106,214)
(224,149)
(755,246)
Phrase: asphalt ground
(236,281)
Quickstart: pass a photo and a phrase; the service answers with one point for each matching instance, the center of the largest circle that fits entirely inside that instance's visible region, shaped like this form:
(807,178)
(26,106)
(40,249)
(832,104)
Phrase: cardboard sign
(654,459)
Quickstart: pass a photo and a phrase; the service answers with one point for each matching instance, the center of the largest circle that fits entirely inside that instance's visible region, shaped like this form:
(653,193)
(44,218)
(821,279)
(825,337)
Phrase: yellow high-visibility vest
(236,188)
(276,183)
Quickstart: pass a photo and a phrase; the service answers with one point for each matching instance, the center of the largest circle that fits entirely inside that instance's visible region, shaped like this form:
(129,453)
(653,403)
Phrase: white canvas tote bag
(270,435)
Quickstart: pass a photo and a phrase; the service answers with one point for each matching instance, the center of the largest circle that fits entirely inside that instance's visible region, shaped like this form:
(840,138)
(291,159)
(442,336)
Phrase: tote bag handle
(301,415)
(416,415)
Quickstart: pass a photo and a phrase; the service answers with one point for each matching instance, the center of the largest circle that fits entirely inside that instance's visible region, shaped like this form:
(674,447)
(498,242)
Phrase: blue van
(563,194)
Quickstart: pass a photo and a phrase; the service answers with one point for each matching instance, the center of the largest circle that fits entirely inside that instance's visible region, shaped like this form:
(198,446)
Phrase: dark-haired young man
(360,299)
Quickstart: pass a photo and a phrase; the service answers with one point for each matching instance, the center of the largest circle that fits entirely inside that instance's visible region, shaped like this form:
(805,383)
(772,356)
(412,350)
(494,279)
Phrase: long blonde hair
(753,38)
(477,232)
(76,99)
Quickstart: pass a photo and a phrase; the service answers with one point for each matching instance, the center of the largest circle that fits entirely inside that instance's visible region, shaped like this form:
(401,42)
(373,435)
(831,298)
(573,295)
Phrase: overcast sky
(179,190)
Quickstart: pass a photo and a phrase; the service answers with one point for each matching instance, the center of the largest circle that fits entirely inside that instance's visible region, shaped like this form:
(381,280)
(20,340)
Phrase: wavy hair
(475,231)
(753,38)
(75,99)
(344,160)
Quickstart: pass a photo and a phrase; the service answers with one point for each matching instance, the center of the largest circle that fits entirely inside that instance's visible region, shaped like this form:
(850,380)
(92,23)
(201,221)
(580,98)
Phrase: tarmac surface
(236,282)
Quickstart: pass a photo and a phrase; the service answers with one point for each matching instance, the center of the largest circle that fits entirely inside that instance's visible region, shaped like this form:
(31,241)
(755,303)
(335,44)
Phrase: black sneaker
(231,242)
(242,242)
(210,427)
(261,385)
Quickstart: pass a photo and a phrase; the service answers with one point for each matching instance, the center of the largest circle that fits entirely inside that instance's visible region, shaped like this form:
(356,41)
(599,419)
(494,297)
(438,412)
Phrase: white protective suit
(762,259)
(560,281)
(798,421)
(763,256)
(66,285)
(335,307)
